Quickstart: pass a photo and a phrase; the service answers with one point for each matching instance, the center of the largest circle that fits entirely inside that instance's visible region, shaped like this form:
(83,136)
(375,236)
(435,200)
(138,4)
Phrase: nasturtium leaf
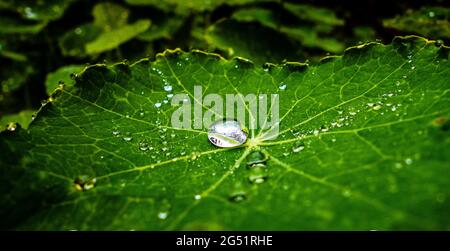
(309,37)
(192,6)
(23,118)
(314,14)
(14,25)
(313,35)
(162,29)
(109,40)
(364,144)
(62,75)
(257,14)
(251,40)
(13,75)
(47,10)
(109,29)
(428,21)
(110,16)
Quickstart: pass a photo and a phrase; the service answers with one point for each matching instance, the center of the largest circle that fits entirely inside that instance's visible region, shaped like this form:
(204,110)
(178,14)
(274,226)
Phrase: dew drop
(283,87)
(298,148)
(158,105)
(257,175)
(11,127)
(346,193)
(127,137)
(237,197)
(226,133)
(408,161)
(256,158)
(84,183)
(167,88)
(197,197)
(163,215)
(143,146)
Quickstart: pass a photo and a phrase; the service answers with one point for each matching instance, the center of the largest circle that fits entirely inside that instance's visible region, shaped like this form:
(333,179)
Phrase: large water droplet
(226,133)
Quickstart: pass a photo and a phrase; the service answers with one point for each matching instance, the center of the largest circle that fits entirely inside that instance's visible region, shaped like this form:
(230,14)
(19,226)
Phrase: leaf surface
(363,144)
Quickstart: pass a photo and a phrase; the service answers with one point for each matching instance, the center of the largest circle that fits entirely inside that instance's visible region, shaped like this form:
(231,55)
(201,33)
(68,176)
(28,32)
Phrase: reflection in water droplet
(197,197)
(158,105)
(282,86)
(226,133)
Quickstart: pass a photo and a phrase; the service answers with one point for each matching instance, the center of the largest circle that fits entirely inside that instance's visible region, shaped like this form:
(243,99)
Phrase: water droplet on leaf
(84,183)
(226,133)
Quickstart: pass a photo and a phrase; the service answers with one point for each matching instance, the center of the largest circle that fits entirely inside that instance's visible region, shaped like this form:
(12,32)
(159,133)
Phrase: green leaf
(110,16)
(47,10)
(264,16)
(62,75)
(186,7)
(314,14)
(23,118)
(73,42)
(428,21)
(13,75)
(110,40)
(251,40)
(162,29)
(109,30)
(311,36)
(14,25)
(364,144)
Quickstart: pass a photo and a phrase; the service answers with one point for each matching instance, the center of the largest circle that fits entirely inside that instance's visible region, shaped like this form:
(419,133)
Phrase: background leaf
(427,21)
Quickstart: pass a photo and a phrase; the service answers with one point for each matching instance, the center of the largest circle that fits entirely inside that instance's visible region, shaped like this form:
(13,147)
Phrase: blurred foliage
(433,22)
(43,41)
